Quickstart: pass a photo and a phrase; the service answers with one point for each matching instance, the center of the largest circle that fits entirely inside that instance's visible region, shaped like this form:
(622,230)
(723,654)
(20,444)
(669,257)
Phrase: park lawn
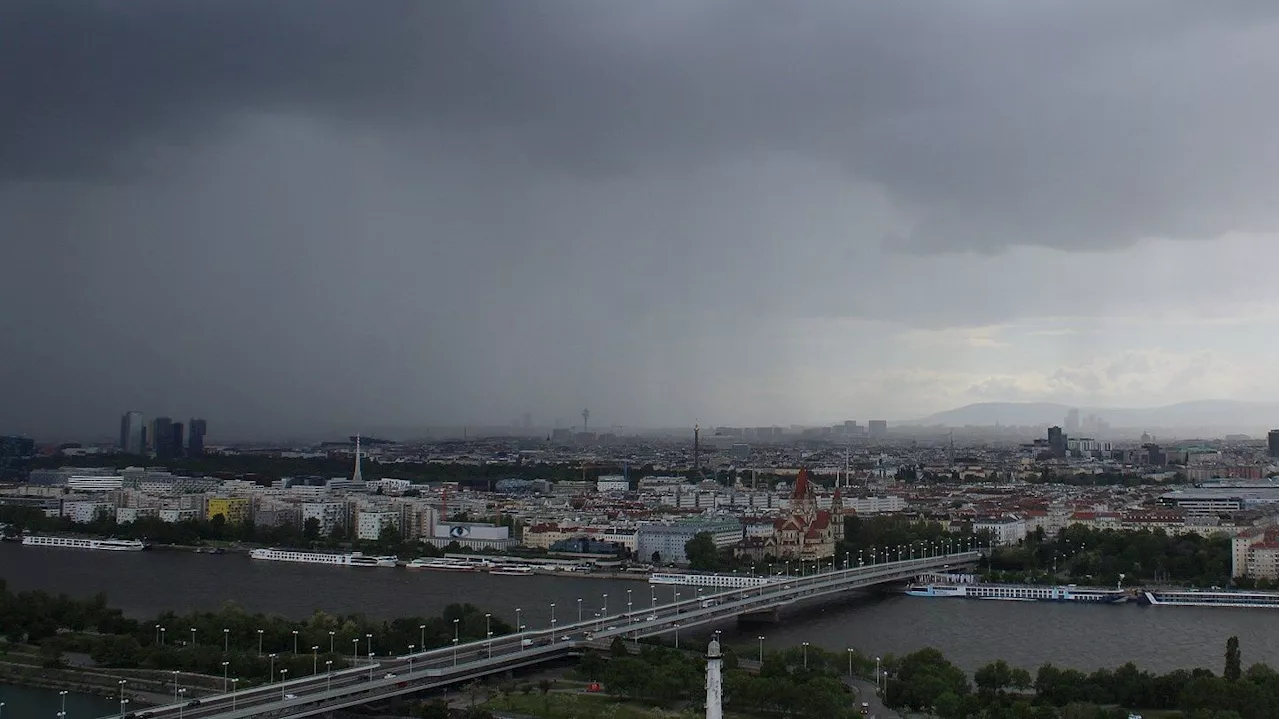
(564,705)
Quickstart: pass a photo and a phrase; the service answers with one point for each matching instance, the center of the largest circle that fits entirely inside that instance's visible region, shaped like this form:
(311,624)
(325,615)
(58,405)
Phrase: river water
(969,633)
(26,703)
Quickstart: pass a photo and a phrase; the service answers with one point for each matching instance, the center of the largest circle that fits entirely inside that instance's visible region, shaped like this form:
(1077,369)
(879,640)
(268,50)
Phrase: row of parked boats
(964,586)
(352,559)
(358,559)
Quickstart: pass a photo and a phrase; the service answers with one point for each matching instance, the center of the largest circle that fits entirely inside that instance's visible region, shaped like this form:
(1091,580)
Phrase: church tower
(804,503)
(837,516)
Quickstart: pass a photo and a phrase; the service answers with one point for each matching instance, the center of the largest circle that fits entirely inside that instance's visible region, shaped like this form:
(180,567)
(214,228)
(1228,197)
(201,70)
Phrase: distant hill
(1204,413)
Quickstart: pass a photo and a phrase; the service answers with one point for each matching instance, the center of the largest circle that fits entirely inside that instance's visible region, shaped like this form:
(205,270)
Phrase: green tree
(702,552)
(311,529)
(994,677)
(1231,667)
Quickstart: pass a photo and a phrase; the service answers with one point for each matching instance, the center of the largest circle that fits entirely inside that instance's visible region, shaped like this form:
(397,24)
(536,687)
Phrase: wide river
(970,633)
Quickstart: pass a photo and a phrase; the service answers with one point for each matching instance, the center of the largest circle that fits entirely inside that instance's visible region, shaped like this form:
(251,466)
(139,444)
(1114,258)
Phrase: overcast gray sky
(293,216)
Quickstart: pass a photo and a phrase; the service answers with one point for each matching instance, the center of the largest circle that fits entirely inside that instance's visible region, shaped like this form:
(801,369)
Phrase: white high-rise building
(131,433)
(715,688)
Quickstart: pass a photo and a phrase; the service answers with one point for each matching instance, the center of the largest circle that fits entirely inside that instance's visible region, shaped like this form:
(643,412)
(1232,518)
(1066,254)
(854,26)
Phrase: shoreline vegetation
(924,681)
(94,645)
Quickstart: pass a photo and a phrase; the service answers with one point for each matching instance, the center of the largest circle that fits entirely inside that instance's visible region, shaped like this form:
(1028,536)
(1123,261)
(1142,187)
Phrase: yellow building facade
(232,509)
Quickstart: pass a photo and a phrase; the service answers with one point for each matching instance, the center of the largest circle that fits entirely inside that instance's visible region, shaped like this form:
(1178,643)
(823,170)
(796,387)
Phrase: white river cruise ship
(963,586)
(723,581)
(1211,598)
(111,545)
(355,559)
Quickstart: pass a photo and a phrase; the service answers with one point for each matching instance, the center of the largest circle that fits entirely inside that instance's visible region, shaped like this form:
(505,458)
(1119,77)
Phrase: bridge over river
(387,677)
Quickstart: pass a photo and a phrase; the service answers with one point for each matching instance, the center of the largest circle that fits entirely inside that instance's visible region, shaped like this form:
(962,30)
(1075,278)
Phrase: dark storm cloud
(1065,124)
(318,215)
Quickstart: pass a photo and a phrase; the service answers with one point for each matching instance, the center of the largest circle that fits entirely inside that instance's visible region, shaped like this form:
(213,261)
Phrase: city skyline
(1208,418)
(661,212)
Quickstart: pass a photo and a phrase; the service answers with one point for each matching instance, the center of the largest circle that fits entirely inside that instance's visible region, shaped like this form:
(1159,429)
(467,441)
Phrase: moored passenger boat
(723,581)
(110,545)
(1246,599)
(355,559)
(511,570)
(1019,592)
(442,565)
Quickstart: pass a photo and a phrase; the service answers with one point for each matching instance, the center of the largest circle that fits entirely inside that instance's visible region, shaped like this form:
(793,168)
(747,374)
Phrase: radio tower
(697,451)
(585,414)
(355,477)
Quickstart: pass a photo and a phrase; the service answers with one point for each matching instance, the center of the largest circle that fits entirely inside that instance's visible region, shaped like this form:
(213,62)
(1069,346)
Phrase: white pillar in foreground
(715,690)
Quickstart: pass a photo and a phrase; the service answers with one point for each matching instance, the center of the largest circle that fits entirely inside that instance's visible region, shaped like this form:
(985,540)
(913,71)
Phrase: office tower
(195,438)
(1273,442)
(1057,442)
(162,437)
(176,440)
(877,428)
(133,433)
(1072,423)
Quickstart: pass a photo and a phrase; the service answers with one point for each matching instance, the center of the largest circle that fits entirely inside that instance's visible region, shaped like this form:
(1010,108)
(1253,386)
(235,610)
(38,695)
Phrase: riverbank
(28,666)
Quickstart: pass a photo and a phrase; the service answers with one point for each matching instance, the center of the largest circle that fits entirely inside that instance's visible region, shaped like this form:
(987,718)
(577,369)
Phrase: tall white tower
(715,689)
(355,477)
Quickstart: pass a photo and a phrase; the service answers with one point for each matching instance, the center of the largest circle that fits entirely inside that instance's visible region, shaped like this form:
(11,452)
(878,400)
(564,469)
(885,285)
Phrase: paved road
(866,692)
